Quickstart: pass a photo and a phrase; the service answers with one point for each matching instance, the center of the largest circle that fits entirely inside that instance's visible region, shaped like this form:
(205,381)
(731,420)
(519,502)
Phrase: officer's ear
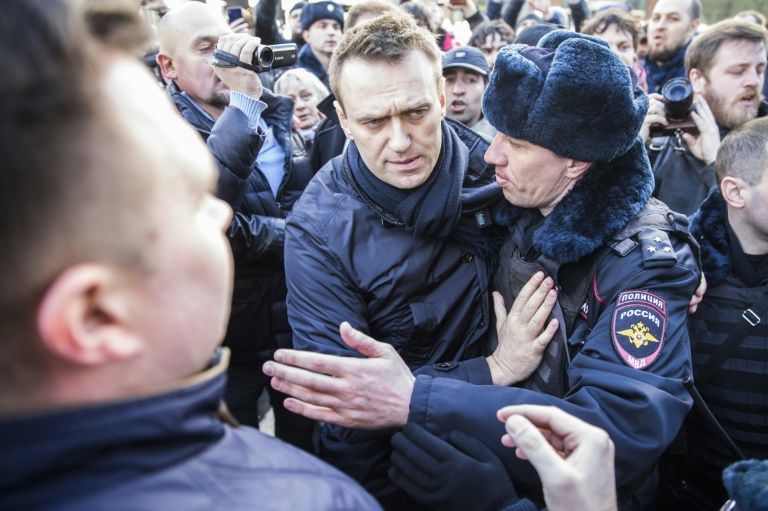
(735,191)
(343,121)
(576,169)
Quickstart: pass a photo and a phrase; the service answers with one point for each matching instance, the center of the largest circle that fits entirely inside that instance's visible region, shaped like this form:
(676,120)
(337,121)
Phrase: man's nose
(399,139)
(494,155)
(753,78)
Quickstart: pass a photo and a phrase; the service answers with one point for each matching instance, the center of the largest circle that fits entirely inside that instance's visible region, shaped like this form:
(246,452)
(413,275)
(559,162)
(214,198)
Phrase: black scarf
(433,209)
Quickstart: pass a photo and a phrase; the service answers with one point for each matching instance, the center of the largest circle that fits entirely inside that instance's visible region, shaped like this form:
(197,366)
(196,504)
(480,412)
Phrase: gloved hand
(457,474)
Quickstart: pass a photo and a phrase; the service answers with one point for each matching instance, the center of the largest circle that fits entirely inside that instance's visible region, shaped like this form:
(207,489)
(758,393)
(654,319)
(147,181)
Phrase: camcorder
(678,105)
(264,58)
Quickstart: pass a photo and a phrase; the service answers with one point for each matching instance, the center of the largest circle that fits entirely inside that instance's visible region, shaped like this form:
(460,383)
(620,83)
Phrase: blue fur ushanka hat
(570,94)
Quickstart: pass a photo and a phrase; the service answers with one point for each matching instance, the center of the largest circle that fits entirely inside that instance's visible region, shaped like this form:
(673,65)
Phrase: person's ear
(576,169)
(82,318)
(305,35)
(698,80)
(167,66)
(442,96)
(343,121)
(735,191)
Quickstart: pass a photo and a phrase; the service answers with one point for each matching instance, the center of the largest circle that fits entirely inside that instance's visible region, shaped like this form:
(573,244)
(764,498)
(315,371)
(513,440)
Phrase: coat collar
(52,456)
(599,205)
(708,226)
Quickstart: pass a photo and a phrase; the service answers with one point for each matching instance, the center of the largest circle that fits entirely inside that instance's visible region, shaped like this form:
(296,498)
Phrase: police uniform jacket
(623,347)
(427,297)
(163,451)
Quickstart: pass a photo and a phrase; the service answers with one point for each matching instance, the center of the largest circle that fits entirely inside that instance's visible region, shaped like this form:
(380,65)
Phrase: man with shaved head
(115,293)
(248,132)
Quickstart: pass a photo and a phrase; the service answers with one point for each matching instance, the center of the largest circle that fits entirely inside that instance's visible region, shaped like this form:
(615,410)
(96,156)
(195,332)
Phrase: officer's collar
(597,207)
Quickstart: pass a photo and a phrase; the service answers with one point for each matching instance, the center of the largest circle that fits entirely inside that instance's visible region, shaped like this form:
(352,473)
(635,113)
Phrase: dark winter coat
(329,137)
(736,390)
(427,297)
(308,61)
(164,451)
(258,321)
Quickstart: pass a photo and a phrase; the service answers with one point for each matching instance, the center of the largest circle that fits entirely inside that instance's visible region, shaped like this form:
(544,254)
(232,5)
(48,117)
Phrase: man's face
(323,36)
(529,175)
(192,57)
(294,21)
(669,29)
(733,86)
(464,95)
(179,301)
(395,120)
(621,43)
(757,208)
(491,46)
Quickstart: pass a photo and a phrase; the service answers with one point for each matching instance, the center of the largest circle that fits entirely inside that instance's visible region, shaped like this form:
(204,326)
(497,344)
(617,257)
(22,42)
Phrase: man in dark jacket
(321,27)
(672,25)
(728,332)
(580,211)
(116,283)
(248,131)
(726,67)
(391,236)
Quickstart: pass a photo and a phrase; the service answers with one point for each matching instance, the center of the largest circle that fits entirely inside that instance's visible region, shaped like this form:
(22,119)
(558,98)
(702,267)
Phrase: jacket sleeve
(235,145)
(642,410)
(321,294)
(579,13)
(266,24)
(511,11)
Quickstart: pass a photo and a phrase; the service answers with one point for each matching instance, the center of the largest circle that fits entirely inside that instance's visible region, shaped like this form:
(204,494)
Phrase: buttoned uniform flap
(657,250)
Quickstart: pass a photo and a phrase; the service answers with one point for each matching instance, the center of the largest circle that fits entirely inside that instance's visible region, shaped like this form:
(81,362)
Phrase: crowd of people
(525,272)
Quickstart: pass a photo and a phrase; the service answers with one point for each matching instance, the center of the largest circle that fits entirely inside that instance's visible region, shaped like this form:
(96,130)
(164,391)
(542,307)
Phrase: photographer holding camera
(726,67)
(248,131)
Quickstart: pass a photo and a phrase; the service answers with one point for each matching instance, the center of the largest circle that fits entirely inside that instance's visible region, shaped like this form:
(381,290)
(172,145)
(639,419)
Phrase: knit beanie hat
(317,11)
(570,94)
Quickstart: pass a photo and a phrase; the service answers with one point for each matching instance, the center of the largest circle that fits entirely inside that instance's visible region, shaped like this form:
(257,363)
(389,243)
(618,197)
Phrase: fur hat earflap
(570,94)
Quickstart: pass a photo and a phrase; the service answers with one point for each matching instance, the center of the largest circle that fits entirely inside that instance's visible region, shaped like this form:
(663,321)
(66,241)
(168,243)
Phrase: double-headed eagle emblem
(639,335)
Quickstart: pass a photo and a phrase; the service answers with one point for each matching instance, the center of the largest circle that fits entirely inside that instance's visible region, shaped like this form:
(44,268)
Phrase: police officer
(577,179)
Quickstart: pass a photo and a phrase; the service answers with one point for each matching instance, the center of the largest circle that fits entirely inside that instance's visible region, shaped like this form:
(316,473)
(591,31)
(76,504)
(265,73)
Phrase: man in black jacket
(726,67)
(728,332)
(247,129)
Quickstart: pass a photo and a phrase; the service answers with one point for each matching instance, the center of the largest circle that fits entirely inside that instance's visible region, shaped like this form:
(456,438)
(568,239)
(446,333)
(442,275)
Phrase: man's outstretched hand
(363,393)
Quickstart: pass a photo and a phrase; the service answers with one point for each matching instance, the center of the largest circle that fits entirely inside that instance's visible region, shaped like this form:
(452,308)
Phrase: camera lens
(263,57)
(678,98)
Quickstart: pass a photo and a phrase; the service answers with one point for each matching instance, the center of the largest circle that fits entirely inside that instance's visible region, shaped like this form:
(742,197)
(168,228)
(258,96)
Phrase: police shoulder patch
(638,327)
